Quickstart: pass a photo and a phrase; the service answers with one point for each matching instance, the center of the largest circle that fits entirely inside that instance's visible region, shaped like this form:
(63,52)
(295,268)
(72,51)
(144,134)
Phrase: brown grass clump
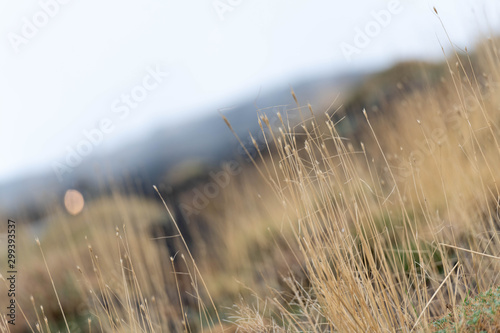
(397,231)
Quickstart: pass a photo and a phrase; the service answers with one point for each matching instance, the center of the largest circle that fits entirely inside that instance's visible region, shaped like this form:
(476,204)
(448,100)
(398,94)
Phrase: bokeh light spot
(73,201)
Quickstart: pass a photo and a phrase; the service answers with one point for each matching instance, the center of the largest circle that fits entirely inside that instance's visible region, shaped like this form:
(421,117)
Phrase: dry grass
(323,234)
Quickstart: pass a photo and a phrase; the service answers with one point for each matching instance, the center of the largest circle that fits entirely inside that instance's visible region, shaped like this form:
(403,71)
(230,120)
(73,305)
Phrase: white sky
(65,79)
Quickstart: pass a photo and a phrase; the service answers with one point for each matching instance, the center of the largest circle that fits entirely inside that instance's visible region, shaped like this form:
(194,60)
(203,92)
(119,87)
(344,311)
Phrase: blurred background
(125,91)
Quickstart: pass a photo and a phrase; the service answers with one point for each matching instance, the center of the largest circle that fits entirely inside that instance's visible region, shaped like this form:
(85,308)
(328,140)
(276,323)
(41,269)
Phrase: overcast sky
(66,75)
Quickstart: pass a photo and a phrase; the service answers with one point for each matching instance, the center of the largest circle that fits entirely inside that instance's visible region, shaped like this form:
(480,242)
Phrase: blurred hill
(201,144)
(176,158)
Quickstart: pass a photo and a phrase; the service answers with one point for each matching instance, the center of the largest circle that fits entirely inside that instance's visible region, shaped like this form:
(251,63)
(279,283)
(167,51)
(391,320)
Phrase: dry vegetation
(321,233)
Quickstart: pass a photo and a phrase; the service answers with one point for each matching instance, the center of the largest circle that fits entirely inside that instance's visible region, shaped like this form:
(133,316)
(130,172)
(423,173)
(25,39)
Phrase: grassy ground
(478,314)
(386,231)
